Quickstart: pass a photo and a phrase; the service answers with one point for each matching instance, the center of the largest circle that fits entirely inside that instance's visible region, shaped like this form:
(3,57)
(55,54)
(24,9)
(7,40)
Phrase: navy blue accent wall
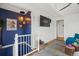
(8,36)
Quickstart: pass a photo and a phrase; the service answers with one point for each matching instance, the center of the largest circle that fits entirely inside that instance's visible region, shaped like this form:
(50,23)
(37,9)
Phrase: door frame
(57,37)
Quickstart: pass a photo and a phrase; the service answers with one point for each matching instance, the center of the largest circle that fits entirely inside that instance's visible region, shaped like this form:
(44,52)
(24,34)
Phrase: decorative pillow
(77,35)
(77,40)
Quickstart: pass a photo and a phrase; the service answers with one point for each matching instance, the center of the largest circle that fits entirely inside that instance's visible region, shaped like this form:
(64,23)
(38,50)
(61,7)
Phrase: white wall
(71,24)
(45,33)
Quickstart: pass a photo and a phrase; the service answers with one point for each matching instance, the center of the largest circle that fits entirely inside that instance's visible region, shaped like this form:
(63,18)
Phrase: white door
(60,28)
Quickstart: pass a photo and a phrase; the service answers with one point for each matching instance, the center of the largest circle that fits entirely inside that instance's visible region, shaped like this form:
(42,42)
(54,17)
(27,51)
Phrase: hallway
(35,22)
(54,49)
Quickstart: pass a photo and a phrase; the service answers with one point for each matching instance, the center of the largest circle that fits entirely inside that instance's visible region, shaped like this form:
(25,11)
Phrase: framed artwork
(11,24)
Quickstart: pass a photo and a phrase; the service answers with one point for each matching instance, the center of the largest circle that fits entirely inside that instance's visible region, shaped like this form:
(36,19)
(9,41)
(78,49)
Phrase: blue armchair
(70,40)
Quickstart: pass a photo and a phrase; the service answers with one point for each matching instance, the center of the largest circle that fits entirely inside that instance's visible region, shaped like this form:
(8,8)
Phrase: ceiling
(58,6)
(51,8)
(72,9)
(42,7)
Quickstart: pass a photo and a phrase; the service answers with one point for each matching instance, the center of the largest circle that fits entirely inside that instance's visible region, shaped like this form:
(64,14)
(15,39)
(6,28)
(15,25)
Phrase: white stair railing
(22,45)
(24,41)
(38,44)
(37,48)
(15,47)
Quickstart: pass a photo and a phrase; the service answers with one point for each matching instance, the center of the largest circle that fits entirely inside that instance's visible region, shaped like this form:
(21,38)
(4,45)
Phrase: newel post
(15,47)
(38,44)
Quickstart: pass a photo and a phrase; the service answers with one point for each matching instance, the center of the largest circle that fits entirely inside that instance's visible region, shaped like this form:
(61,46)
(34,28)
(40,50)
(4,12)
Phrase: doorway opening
(60,30)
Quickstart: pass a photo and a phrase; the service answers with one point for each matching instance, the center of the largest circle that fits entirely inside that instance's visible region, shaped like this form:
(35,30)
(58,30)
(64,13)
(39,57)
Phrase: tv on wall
(44,21)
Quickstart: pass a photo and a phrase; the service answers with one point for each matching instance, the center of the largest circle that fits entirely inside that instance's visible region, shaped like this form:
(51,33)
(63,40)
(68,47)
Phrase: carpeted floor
(55,49)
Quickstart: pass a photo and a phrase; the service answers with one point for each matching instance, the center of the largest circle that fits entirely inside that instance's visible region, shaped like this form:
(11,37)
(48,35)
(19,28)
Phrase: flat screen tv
(44,21)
